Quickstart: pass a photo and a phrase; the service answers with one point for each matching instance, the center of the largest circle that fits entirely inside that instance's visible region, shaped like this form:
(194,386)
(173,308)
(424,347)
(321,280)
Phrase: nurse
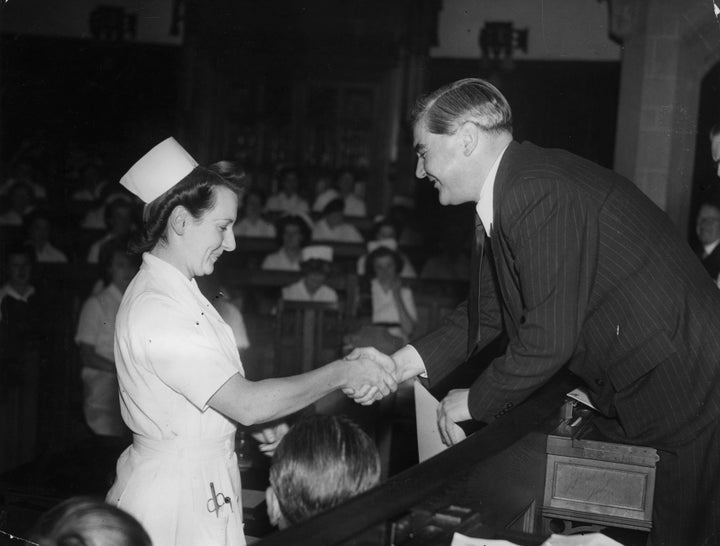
(182,386)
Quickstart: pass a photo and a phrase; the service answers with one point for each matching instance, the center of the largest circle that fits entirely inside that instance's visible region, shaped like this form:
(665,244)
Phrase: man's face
(715,150)
(439,160)
(708,224)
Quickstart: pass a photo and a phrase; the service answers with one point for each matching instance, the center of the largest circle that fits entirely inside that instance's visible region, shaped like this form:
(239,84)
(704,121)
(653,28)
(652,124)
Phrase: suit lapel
(503,261)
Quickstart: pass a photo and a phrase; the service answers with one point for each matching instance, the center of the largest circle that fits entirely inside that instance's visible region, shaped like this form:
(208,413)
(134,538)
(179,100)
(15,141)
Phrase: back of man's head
(321,462)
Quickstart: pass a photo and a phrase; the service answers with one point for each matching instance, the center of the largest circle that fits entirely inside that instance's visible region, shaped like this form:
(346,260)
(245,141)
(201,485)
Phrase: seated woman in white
(293,232)
(288,200)
(315,265)
(385,234)
(95,338)
(252,224)
(333,227)
(393,304)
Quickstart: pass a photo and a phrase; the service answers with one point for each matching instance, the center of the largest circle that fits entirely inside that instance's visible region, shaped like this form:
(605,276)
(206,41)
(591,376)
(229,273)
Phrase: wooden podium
(591,480)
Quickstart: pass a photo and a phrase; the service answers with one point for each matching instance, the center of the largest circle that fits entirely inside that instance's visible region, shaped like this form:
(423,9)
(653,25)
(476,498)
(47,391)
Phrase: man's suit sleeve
(549,238)
(445,349)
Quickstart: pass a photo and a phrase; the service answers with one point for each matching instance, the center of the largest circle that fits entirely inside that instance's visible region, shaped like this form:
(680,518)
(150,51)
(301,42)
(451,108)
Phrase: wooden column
(667,46)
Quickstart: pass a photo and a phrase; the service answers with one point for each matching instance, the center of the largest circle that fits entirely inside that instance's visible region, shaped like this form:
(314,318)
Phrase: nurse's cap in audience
(317,252)
(158,170)
(385,243)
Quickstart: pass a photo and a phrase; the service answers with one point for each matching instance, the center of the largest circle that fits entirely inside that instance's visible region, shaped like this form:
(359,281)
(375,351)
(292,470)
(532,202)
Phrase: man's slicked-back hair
(471,99)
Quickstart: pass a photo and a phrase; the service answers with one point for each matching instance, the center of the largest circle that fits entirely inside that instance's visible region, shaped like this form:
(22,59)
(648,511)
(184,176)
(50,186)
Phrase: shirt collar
(709,248)
(10,291)
(171,273)
(484,206)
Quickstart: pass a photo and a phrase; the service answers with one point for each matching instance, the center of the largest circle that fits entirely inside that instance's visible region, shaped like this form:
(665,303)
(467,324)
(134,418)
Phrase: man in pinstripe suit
(582,270)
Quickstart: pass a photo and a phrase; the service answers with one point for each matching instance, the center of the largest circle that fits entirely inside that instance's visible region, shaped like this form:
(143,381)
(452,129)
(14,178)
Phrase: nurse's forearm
(253,402)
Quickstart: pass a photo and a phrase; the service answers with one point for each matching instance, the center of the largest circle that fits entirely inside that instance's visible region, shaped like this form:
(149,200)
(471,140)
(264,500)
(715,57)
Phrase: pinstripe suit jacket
(587,272)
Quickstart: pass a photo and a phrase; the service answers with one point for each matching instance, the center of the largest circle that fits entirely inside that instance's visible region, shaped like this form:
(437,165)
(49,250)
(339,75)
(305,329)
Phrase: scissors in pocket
(216,501)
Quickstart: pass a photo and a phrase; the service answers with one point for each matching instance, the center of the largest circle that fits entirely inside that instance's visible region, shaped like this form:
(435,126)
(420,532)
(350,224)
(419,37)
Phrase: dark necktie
(478,251)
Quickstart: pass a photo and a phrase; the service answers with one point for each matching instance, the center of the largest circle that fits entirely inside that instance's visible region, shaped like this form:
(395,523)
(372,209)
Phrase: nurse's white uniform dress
(180,477)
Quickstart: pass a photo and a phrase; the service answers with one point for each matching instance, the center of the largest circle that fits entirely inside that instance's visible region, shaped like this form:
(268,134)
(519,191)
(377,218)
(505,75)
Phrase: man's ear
(469,134)
(273,507)
(178,220)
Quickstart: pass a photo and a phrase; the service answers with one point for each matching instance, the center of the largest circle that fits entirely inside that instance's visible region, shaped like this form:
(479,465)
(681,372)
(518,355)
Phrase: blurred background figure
(293,233)
(288,199)
(316,264)
(39,227)
(17,203)
(393,305)
(333,226)
(323,190)
(384,233)
(21,337)
(213,290)
(707,228)
(402,214)
(354,205)
(252,223)
(120,222)
(715,146)
(24,173)
(85,521)
(91,183)
(95,217)
(322,461)
(95,337)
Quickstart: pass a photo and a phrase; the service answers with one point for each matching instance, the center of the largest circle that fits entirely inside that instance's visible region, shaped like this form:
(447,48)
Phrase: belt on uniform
(191,448)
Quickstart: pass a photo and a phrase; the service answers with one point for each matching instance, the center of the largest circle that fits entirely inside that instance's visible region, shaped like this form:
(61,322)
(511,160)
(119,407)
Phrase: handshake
(371,375)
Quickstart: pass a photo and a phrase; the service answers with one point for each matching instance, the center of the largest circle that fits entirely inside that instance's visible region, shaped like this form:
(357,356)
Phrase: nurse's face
(207,238)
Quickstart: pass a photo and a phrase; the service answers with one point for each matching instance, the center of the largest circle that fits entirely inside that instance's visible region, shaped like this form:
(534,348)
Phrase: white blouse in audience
(354,206)
(299,292)
(48,254)
(290,204)
(258,228)
(384,308)
(281,261)
(344,233)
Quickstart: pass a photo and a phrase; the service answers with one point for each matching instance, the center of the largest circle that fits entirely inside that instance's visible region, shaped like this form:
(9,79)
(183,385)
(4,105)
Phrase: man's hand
(453,409)
(373,375)
(270,436)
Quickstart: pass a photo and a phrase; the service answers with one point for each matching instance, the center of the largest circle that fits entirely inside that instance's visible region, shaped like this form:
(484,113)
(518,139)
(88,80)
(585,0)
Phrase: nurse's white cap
(317,252)
(386,243)
(158,170)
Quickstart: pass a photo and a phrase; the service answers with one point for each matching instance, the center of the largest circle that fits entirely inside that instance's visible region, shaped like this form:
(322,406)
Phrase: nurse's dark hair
(471,99)
(195,192)
(86,521)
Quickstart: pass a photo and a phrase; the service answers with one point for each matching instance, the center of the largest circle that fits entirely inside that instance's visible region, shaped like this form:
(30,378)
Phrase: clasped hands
(386,374)
(372,375)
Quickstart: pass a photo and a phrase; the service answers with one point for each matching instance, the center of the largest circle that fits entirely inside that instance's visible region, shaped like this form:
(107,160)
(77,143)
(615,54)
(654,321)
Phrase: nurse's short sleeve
(181,350)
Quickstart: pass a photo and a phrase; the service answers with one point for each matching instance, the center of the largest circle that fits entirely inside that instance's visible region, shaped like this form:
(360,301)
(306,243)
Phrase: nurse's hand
(453,409)
(369,378)
(269,437)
